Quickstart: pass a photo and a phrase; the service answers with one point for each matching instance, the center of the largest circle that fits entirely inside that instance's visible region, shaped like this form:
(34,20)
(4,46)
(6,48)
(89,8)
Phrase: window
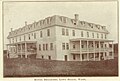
(67,32)
(105,54)
(93,35)
(73,32)
(101,45)
(63,31)
(110,45)
(105,36)
(105,45)
(48,32)
(49,57)
(51,46)
(81,33)
(40,33)
(101,35)
(43,46)
(97,35)
(82,46)
(67,46)
(87,34)
(42,57)
(16,39)
(10,41)
(20,38)
(92,44)
(46,46)
(97,45)
(39,47)
(13,40)
(29,36)
(63,46)
(73,46)
(65,57)
(74,57)
(110,53)
(24,37)
(34,35)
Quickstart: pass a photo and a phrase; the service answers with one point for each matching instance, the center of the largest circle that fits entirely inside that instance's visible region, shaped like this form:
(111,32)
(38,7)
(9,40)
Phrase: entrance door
(65,57)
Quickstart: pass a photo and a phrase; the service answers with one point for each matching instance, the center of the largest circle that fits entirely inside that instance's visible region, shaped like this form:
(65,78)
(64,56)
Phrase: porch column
(94,49)
(112,50)
(10,51)
(16,49)
(99,50)
(87,51)
(21,50)
(104,51)
(80,52)
(7,52)
(108,48)
(25,50)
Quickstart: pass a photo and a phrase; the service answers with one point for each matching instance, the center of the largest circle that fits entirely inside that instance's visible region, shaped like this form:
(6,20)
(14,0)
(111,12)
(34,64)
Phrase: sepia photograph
(60,38)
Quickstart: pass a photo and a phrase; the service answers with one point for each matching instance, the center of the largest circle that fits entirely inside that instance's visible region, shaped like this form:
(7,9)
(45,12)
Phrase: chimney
(11,29)
(25,23)
(76,17)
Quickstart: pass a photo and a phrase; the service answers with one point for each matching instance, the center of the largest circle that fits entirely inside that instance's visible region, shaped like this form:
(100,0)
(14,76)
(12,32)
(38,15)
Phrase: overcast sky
(104,13)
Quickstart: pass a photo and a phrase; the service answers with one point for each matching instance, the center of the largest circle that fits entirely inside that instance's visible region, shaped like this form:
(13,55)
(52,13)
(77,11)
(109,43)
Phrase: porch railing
(90,50)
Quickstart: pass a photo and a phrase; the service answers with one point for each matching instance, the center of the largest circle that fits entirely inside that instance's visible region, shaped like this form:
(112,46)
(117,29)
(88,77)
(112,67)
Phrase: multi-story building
(61,38)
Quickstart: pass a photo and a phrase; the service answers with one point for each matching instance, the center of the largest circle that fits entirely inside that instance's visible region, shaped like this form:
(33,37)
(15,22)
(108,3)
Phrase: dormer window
(34,25)
(98,26)
(74,23)
(40,22)
(91,26)
(82,23)
(43,21)
(101,27)
(64,20)
(61,18)
(48,21)
(37,23)
(29,28)
(71,20)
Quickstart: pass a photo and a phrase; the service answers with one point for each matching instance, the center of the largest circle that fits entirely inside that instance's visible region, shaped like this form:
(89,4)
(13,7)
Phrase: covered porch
(21,49)
(91,49)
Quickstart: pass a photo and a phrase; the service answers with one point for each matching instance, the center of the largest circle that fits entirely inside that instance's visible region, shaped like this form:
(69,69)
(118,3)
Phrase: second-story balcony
(90,50)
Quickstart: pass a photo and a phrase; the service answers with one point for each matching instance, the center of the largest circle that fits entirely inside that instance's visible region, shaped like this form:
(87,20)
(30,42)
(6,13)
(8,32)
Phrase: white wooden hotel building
(61,38)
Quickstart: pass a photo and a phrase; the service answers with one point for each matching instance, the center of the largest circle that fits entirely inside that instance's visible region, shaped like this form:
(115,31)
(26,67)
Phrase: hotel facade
(61,38)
